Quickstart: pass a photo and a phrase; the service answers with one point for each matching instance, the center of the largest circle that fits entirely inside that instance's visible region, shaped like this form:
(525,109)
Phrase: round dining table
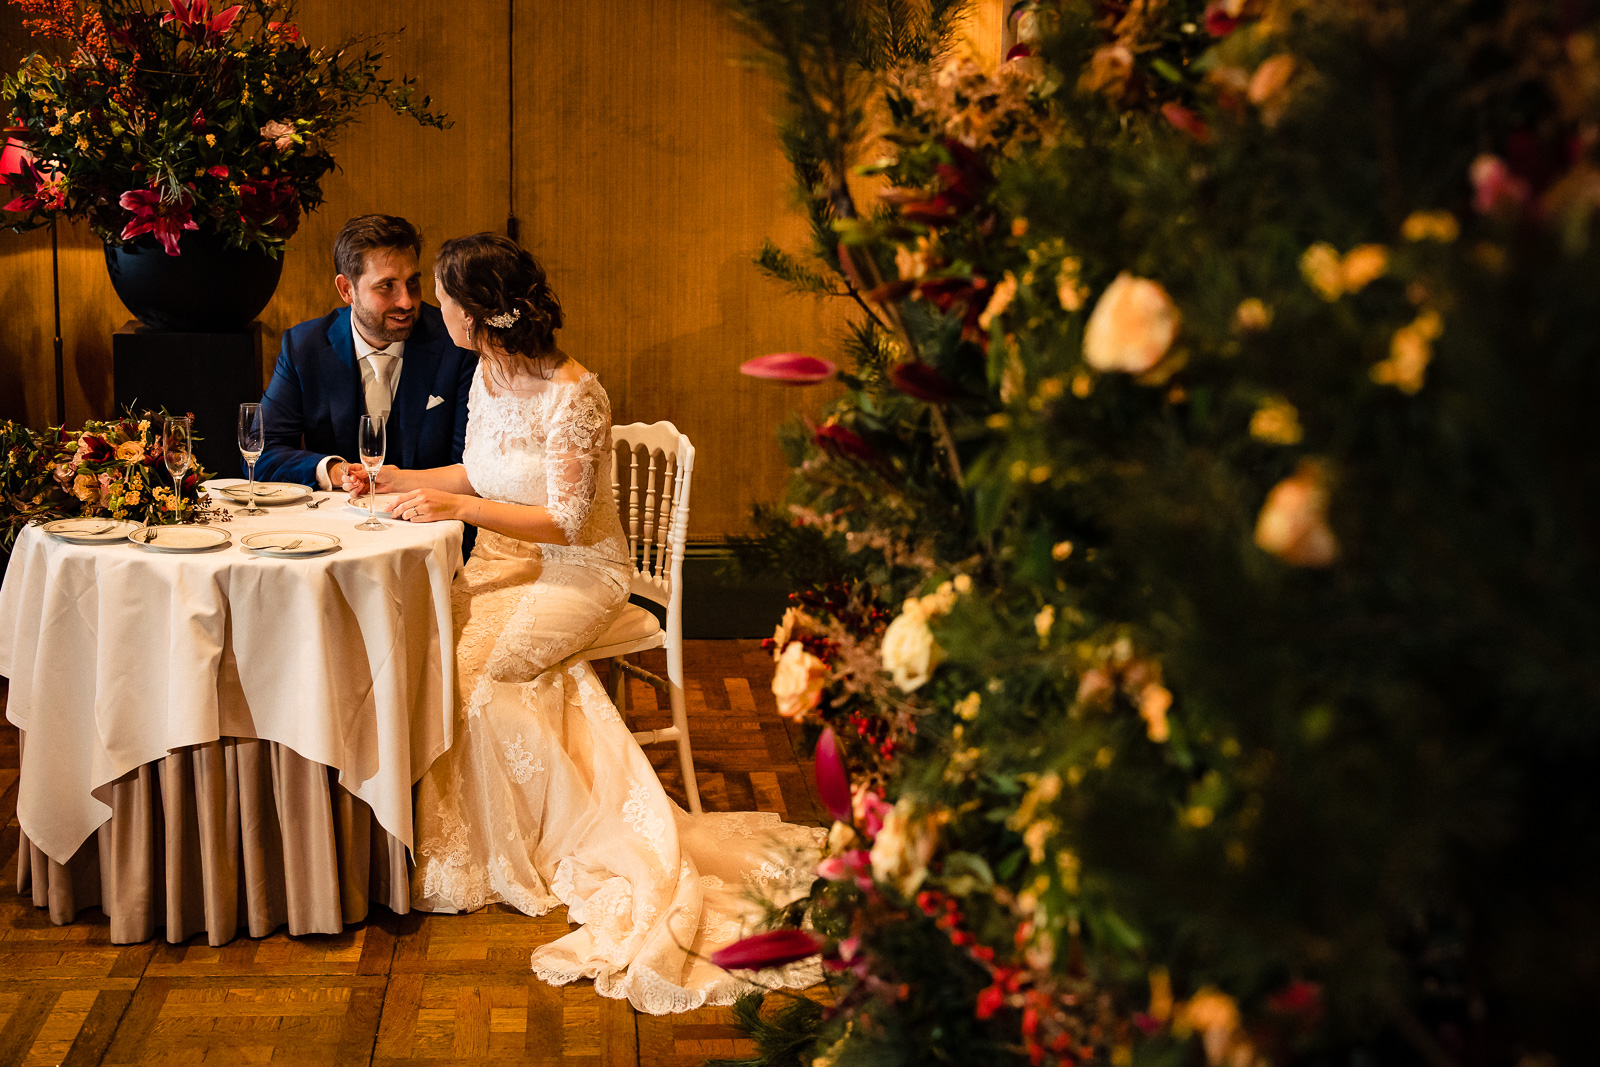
(227,738)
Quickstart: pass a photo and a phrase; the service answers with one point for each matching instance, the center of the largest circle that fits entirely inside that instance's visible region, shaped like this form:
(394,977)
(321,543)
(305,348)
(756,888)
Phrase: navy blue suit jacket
(313,406)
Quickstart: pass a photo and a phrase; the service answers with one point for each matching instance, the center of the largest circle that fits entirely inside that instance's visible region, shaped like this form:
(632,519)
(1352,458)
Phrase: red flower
(1019,51)
(990,1000)
(218,171)
(41,187)
(95,449)
(842,443)
(767,950)
(199,120)
(194,16)
(1218,22)
(269,206)
(152,215)
(792,367)
(1300,998)
(287,30)
(1187,121)
(833,784)
(922,382)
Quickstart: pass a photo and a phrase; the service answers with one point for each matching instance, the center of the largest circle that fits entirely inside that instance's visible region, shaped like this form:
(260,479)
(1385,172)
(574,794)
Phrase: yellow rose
(1069,289)
(909,651)
(1293,524)
(130,451)
(797,683)
(1001,299)
(1323,269)
(1276,422)
(793,618)
(1154,702)
(1438,226)
(903,847)
(1132,326)
(1363,265)
(1410,352)
(1251,316)
(1269,87)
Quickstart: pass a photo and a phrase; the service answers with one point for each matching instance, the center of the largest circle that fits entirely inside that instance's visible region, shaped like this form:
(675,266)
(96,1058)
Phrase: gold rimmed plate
(180,538)
(91,531)
(289,543)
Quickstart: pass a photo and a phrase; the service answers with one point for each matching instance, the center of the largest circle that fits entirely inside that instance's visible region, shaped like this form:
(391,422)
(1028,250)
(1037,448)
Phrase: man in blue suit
(386,353)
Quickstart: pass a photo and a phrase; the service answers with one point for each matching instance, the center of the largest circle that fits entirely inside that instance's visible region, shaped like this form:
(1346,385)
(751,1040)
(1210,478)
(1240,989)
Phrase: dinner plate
(180,538)
(268,494)
(91,531)
(380,505)
(289,543)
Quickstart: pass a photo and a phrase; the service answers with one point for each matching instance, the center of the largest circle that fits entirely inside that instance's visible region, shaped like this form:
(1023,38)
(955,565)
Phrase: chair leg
(680,719)
(619,686)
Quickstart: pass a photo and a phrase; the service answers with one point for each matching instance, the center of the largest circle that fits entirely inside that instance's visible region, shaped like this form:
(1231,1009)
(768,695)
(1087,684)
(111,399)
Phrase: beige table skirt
(238,835)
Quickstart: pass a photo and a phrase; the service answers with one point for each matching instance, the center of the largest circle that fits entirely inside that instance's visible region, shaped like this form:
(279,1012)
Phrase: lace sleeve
(579,439)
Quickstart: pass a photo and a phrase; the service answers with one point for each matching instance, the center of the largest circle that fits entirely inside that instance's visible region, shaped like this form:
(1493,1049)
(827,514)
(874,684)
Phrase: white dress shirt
(371,391)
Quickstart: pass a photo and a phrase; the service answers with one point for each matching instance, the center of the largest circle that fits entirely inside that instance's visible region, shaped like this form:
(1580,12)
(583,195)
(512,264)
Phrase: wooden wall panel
(647,175)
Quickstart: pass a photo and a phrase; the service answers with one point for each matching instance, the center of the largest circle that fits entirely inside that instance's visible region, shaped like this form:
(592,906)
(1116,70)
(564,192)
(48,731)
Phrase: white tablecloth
(118,655)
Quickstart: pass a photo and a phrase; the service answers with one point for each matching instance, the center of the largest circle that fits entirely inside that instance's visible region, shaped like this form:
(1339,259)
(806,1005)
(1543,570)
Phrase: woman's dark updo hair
(492,276)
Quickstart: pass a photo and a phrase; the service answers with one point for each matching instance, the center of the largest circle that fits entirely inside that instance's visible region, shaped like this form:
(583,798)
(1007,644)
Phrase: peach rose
(1132,327)
(797,683)
(1293,524)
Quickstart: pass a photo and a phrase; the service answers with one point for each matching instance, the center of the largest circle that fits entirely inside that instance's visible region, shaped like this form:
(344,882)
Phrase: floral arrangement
(1188,582)
(163,116)
(113,469)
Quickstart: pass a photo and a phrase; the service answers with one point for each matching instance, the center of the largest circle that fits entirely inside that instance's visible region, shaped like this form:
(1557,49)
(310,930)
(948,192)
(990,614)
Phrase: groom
(388,354)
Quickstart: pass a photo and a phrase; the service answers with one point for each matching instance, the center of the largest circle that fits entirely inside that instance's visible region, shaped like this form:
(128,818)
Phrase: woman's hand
(391,479)
(431,505)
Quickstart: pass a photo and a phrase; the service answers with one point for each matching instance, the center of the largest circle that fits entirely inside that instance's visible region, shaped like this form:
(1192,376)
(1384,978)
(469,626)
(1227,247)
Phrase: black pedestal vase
(196,347)
(208,288)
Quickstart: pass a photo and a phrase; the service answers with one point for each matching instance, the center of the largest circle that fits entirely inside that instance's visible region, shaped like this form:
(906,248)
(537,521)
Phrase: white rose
(1132,327)
(902,849)
(909,651)
(797,683)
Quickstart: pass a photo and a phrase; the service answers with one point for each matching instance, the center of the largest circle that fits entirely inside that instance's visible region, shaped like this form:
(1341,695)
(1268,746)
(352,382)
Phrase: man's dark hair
(364,233)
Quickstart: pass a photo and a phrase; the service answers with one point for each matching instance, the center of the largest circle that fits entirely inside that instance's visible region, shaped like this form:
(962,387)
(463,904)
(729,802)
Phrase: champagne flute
(176,436)
(250,441)
(372,444)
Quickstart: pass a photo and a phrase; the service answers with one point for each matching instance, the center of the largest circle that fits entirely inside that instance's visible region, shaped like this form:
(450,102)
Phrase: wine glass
(250,441)
(176,437)
(374,440)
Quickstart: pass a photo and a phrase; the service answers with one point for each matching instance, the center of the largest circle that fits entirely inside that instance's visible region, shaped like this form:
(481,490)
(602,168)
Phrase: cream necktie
(379,393)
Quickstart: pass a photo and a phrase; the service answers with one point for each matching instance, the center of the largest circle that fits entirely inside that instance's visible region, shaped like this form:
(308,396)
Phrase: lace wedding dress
(545,798)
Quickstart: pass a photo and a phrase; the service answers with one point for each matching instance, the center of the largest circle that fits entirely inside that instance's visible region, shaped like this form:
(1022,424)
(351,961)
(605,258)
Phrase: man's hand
(355,480)
(431,505)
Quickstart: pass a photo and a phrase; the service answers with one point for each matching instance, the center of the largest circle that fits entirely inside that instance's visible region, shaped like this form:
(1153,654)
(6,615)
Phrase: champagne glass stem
(372,496)
(252,465)
(177,496)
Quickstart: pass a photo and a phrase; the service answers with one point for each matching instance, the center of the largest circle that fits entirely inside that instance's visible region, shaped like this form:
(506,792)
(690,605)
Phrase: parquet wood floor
(395,991)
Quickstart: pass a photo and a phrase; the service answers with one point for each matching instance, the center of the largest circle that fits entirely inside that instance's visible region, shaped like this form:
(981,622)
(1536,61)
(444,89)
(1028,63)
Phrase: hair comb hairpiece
(504,319)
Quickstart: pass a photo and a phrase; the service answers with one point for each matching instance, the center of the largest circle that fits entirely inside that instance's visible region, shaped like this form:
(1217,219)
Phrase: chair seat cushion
(633,624)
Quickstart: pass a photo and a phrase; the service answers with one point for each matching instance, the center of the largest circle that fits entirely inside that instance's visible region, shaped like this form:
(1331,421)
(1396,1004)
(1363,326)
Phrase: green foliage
(1262,368)
(783,1039)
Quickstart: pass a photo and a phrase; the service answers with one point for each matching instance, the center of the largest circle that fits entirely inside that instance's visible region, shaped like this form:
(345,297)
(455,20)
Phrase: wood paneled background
(646,173)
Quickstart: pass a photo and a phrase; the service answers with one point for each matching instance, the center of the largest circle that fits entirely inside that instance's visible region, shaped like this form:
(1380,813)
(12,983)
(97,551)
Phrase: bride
(544,798)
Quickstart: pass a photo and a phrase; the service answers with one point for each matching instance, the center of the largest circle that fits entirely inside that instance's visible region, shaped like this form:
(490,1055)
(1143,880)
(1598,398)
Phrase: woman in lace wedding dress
(544,798)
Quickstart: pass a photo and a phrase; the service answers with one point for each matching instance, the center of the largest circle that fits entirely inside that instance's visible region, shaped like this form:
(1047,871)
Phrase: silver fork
(284,548)
(316,503)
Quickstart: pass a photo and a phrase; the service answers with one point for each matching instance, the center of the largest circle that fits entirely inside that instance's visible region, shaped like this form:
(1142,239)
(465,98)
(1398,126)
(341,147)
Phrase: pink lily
(195,18)
(150,215)
(767,950)
(41,187)
(833,784)
(792,367)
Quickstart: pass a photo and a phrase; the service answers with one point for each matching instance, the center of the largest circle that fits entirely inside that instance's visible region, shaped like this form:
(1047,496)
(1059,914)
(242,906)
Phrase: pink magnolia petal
(767,950)
(791,367)
(833,784)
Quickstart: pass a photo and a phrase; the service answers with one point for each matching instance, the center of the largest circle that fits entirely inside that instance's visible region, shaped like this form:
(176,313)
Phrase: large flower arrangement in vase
(192,141)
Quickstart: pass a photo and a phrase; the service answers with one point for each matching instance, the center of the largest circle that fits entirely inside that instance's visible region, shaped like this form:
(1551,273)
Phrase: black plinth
(206,374)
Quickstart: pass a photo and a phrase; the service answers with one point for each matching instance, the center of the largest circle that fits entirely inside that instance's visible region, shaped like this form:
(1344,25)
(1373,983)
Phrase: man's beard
(377,330)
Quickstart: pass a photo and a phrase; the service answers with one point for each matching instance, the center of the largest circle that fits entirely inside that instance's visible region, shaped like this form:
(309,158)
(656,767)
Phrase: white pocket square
(434,401)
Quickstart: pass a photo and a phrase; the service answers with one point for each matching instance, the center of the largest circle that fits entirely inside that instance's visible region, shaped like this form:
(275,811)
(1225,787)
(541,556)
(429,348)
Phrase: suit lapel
(346,399)
(417,373)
